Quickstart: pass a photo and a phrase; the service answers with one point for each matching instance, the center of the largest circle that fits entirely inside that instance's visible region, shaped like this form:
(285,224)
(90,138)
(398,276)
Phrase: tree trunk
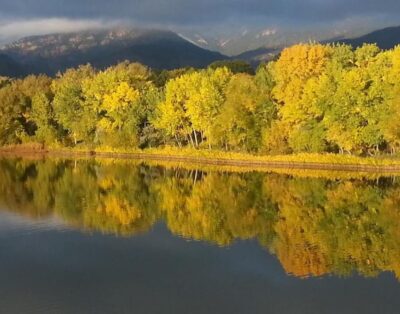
(195,138)
(191,139)
(178,141)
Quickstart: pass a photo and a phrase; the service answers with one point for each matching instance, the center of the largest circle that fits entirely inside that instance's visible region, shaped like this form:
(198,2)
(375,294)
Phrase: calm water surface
(84,236)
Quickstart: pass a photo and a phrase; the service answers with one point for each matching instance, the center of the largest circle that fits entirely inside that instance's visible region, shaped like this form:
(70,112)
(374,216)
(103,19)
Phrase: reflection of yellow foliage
(193,214)
(357,231)
(106,183)
(298,244)
(302,260)
(315,226)
(120,210)
(390,212)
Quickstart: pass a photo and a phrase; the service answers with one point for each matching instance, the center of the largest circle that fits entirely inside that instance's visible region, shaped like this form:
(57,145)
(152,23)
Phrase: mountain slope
(257,56)
(8,67)
(157,49)
(386,38)
(237,41)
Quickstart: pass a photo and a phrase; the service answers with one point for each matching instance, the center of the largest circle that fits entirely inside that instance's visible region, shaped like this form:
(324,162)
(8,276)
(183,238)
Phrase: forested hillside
(102,48)
(314,98)
(386,38)
(9,67)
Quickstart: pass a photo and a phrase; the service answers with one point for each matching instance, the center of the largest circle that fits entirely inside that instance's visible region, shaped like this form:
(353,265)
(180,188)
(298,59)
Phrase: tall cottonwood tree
(71,111)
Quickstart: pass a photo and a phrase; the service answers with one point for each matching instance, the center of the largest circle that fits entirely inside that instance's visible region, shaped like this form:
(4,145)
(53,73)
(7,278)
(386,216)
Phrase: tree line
(312,98)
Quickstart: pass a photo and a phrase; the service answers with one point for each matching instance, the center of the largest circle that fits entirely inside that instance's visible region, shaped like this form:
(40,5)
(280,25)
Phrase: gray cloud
(183,12)
(11,30)
(25,17)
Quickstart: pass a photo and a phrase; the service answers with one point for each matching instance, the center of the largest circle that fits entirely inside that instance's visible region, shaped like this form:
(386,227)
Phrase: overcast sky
(25,17)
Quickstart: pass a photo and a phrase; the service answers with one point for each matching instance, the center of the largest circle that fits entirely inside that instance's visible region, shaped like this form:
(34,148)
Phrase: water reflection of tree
(314,226)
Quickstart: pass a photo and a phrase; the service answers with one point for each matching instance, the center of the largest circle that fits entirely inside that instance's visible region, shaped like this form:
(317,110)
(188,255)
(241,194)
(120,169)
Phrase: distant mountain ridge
(154,48)
(159,49)
(257,56)
(386,38)
(248,39)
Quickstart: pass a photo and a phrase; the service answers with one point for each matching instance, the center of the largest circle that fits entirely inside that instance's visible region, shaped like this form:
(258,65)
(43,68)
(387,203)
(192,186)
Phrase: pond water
(115,236)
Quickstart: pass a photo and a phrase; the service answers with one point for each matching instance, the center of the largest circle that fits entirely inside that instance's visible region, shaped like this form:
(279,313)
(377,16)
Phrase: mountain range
(159,49)
(248,39)
(386,38)
(156,48)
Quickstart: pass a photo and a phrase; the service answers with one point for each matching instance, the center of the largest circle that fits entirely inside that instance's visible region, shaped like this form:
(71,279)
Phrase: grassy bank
(295,161)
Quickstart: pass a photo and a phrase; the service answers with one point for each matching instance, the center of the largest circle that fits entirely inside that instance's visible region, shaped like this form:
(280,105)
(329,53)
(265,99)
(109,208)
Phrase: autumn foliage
(315,226)
(314,98)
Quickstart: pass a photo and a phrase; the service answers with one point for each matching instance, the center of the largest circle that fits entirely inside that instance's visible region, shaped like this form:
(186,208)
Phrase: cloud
(37,16)
(10,30)
(196,11)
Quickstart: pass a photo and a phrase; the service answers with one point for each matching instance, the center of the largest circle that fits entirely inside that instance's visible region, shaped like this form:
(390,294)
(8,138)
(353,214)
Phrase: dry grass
(174,154)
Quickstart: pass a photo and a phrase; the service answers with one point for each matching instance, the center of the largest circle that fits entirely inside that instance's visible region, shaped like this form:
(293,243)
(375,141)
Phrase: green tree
(191,106)
(117,96)
(353,117)
(245,114)
(43,117)
(10,116)
(390,111)
(71,111)
(235,66)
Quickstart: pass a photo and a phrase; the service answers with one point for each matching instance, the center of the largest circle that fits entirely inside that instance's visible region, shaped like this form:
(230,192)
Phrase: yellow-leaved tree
(122,116)
(297,75)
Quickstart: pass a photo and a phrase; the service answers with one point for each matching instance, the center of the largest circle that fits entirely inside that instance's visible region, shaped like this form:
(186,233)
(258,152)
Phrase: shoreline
(332,162)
